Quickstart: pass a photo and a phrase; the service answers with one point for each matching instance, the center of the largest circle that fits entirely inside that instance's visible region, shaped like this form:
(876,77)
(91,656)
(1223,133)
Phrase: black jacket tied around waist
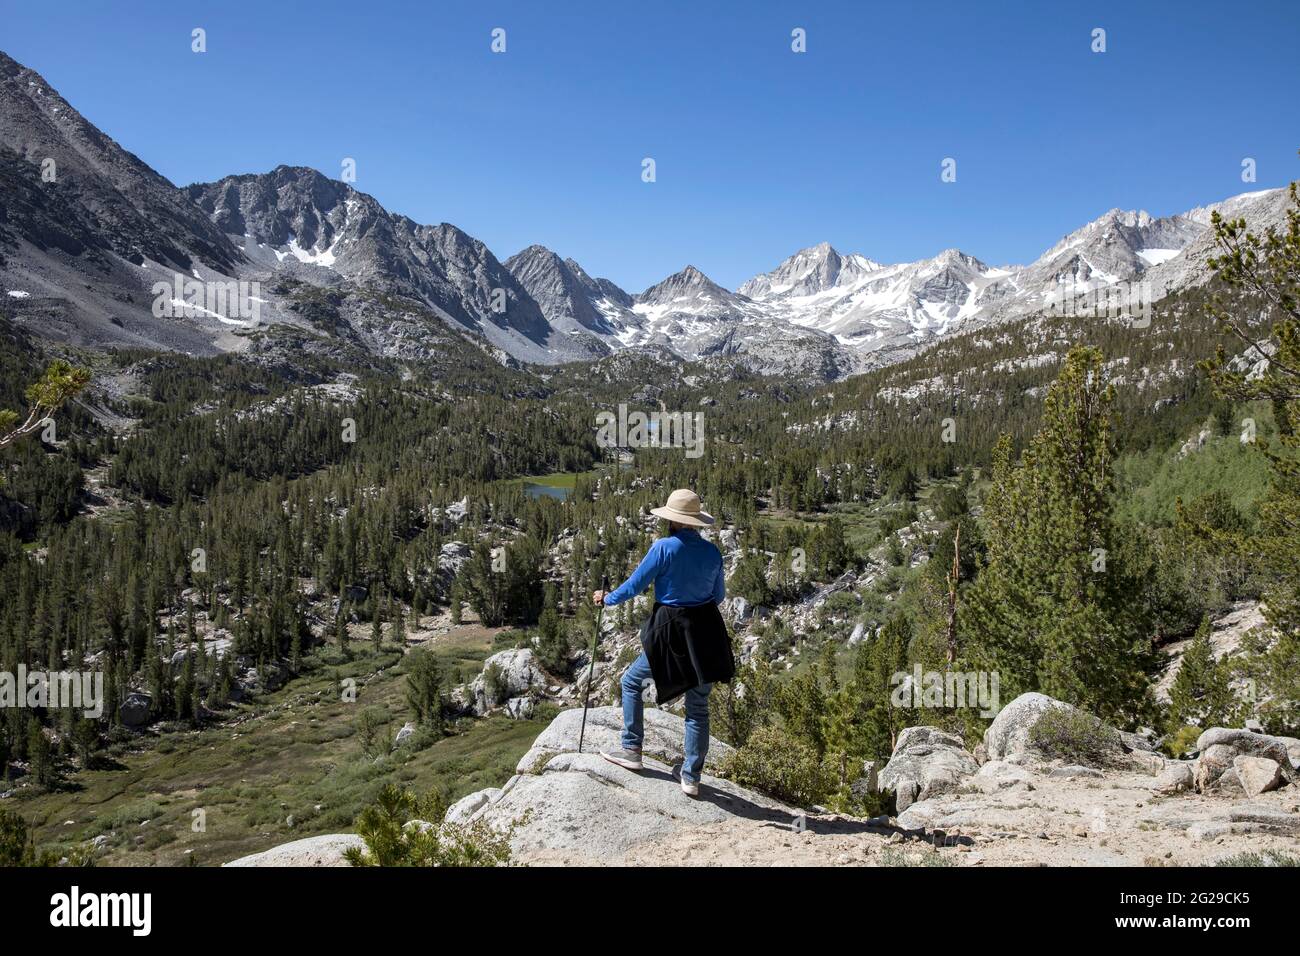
(686,647)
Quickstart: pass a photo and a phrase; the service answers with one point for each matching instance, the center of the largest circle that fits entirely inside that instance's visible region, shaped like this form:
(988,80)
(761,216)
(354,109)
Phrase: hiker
(685,647)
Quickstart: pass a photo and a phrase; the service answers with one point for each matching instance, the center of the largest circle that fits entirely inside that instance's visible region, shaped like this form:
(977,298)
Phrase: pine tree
(424,680)
(40,757)
(456,598)
(341,628)
(485,586)
(1200,694)
(377,627)
(398,631)
(524,580)
(1054,609)
(1267,267)
(186,687)
(749,580)
(222,683)
(876,667)
(553,643)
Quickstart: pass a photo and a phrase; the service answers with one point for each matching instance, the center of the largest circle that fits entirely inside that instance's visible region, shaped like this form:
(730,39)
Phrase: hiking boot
(689,788)
(628,759)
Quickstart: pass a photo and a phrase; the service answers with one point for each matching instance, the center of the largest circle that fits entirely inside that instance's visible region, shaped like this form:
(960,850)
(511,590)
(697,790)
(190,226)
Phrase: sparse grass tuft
(1260,858)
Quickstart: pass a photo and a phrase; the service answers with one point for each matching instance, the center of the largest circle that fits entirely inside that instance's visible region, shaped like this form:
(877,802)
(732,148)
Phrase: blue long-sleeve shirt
(685,569)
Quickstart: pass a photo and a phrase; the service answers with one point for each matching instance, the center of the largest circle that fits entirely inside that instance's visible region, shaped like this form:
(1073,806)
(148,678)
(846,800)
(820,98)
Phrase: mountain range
(88,231)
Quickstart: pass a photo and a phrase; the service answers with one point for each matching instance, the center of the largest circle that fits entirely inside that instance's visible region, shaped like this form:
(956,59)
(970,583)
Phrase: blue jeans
(697,718)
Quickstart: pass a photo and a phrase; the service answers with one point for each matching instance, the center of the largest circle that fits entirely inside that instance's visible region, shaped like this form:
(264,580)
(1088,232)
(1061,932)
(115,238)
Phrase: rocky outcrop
(1008,735)
(403,735)
(521,708)
(517,672)
(1217,768)
(1293,751)
(1177,777)
(926,762)
(452,558)
(136,709)
(1245,742)
(1212,767)
(579,806)
(324,850)
(664,737)
(1257,775)
(998,775)
(567,808)
(464,808)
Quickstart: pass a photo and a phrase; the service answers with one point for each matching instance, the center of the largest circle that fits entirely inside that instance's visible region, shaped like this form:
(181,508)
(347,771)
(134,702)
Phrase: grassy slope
(291,753)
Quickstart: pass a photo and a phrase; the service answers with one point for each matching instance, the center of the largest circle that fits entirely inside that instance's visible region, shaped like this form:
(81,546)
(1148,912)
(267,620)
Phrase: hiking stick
(595,639)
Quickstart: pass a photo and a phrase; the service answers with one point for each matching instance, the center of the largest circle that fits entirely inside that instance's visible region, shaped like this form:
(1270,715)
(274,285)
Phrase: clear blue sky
(760,151)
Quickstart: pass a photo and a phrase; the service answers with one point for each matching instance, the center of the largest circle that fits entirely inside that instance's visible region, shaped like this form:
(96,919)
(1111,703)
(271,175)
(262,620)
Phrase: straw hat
(684,507)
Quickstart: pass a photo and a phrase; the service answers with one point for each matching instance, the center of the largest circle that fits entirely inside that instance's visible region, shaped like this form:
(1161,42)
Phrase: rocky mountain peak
(689,282)
(116,203)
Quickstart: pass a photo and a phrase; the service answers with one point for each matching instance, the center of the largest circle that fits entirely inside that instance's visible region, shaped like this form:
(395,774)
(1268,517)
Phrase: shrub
(779,764)
(494,685)
(510,639)
(400,829)
(1073,735)
(1182,740)
(1260,858)
(375,732)
(16,847)
(129,816)
(891,856)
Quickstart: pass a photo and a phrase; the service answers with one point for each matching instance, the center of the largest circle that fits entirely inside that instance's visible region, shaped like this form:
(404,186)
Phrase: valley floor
(288,766)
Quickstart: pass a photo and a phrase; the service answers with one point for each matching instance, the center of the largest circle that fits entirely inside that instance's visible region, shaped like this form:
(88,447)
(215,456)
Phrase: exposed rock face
(467,806)
(1008,735)
(452,558)
(1219,749)
(1212,764)
(926,762)
(136,709)
(1257,774)
(324,850)
(570,803)
(1177,777)
(1293,751)
(518,671)
(112,201)
(1245,742)
(403,735)
(575,809)
(88,244)
(998,775)
(1007,738)
(297,220)
(520,708)
(570,299)
(664,737)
